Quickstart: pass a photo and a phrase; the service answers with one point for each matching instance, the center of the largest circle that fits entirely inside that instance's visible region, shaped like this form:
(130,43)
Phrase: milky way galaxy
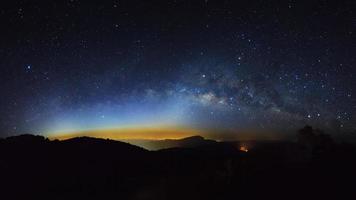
(203,65)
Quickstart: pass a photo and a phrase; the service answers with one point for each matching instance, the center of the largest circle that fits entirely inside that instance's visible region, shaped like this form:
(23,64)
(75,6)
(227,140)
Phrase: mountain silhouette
(314,167)
(189,142)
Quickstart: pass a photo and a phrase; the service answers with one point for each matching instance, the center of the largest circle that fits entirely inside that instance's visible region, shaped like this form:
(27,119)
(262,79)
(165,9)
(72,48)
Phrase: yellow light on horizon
(147,133)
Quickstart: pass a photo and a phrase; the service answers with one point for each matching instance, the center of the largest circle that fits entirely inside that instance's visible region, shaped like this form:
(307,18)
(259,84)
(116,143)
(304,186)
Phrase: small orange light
(243,148)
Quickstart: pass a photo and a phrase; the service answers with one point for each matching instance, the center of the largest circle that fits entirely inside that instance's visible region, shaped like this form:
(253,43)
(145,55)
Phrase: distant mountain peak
(188,142)
(195,137)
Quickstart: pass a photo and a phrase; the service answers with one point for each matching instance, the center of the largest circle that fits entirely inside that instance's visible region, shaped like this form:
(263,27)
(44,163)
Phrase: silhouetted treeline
(314,167)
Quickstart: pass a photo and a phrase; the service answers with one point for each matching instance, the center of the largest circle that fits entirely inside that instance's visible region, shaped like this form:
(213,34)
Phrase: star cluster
(222,65)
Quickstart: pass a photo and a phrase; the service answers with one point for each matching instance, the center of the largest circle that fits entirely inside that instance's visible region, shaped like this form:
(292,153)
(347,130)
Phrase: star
(128,66)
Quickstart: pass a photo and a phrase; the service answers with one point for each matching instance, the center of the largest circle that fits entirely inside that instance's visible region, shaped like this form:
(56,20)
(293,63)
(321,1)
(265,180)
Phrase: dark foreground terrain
(314,167)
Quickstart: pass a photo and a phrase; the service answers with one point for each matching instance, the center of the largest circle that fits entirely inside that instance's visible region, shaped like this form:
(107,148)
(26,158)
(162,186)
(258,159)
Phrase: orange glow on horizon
(161,132)
(150,133)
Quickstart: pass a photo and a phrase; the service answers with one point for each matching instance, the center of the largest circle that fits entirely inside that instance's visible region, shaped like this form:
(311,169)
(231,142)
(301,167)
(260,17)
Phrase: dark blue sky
(78,65)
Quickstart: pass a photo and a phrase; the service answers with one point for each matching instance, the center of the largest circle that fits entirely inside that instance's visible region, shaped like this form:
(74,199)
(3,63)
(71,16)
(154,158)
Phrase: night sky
(223,65)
